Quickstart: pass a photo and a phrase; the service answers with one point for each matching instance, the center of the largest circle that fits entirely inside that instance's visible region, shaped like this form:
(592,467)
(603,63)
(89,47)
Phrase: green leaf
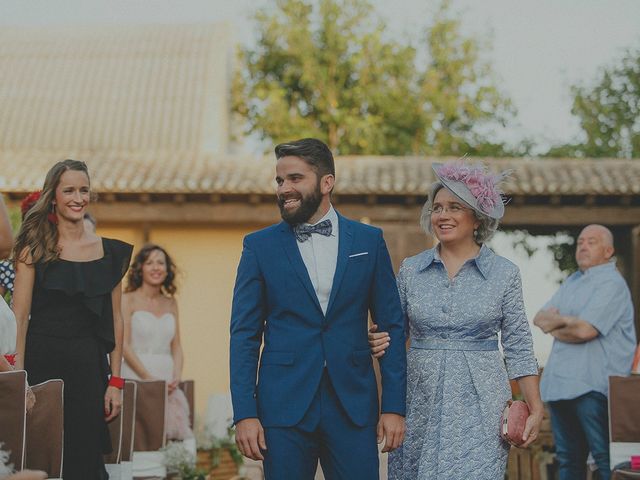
(326,69)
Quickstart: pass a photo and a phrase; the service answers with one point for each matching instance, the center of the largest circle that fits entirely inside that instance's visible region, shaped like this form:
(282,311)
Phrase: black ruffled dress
(70,334)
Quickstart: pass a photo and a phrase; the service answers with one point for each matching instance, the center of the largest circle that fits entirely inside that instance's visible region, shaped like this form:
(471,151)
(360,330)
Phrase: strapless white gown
(7,329)
(151,338)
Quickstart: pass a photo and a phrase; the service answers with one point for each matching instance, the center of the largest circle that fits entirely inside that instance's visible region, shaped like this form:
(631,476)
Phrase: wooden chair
(188,388)
(45,452)
(624,420)
(13,416)
(116,427)
(121,430)
(129,420)
(150,424)
(150,429)
(625,474)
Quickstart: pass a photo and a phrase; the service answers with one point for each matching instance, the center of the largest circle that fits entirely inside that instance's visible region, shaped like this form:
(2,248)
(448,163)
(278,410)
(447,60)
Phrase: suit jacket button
(325,328)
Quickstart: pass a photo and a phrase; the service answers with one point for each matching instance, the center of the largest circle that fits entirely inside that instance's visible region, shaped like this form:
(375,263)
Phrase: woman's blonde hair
(38,235)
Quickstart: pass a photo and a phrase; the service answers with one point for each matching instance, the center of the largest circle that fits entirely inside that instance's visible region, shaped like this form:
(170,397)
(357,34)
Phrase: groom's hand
(250,438)
(391,427)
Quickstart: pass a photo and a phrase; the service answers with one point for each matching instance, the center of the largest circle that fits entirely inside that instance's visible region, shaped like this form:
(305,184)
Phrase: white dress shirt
(320,255)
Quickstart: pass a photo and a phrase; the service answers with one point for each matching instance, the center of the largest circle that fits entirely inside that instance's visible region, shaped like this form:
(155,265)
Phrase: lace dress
(457,383)
(151,341)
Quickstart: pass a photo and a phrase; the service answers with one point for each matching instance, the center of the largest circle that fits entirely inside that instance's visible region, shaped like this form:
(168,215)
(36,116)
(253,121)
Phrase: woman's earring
(52,216)
(475,233)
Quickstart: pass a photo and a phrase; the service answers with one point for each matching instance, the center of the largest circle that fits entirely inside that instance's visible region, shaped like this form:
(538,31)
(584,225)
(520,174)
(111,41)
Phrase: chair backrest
(45,451)
(188,388)
(624,418)
(115,428)
(129,395)
(121,431)
(13,417)
(151,407)
(624,414)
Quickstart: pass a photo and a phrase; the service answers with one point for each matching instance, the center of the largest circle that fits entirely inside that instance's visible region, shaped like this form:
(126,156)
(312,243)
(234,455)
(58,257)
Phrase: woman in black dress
(67,304)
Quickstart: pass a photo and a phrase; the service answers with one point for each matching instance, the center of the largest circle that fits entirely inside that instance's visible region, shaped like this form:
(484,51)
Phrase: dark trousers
(580,426)
(345,451)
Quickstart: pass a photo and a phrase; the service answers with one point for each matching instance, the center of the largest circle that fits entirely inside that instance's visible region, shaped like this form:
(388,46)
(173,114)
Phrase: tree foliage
(562,245)
(457,93)
(609,113)
(325,69)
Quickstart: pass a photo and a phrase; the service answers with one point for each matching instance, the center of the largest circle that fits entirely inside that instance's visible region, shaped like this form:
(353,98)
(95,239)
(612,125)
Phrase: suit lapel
(345,241)
(293,254)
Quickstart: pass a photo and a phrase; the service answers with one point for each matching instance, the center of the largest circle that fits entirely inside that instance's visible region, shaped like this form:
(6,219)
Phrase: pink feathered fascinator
(474,185)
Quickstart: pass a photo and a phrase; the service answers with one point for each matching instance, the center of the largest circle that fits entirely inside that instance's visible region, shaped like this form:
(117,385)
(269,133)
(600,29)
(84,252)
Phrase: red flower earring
(52,216)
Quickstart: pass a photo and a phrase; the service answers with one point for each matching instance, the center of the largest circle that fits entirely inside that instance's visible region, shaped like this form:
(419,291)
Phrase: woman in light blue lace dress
(457,298)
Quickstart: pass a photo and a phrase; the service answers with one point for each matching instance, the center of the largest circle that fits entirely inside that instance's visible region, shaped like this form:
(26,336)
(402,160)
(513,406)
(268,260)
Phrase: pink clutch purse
(514,419)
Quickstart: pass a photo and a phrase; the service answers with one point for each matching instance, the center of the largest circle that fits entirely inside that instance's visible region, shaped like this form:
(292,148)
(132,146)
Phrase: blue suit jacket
(274,301)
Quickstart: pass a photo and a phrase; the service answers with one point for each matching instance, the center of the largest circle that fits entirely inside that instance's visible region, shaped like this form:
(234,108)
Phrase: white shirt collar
(330,215)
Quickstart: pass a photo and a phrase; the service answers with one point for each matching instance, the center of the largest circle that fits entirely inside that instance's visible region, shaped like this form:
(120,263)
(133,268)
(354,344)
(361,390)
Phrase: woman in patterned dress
(7,272)
(457,298)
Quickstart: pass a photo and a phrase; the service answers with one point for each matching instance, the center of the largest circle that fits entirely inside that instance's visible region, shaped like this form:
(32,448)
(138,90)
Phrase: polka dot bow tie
(303,232)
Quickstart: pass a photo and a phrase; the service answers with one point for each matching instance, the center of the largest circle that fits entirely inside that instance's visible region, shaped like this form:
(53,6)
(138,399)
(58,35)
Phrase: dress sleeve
(121,258)
(517,342)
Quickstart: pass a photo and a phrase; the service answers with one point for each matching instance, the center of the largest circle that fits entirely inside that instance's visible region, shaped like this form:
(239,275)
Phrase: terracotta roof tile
(168,172)
(125,87)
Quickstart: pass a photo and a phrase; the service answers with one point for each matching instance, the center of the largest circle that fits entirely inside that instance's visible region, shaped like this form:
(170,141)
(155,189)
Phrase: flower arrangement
(181,463)
(208,441)
(29,201)
(6,468)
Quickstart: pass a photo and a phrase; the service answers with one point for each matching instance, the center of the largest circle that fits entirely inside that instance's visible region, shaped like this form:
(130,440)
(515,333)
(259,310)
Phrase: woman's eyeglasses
(453,209)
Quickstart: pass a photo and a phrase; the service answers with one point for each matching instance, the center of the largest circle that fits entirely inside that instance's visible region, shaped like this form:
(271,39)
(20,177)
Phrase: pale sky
(539,49)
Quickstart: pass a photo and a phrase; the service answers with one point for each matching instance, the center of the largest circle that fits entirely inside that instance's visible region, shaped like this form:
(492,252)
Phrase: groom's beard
(309,205)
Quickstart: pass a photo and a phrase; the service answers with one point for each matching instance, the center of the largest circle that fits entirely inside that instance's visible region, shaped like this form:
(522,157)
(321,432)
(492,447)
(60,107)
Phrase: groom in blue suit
(304,289)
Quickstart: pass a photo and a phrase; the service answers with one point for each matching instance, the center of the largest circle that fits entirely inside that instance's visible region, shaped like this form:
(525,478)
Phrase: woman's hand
(532,428)
(112,403)
(31,399)
(529,386)
(173,385)
(378,342)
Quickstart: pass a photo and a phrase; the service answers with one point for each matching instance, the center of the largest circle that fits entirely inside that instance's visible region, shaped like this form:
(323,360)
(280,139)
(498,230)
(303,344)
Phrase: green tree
(325,69)
(458,93)
(609,113)
(562,245)
(326,72)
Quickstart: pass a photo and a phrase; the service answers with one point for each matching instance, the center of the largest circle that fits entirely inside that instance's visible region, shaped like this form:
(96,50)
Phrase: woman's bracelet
(117,382)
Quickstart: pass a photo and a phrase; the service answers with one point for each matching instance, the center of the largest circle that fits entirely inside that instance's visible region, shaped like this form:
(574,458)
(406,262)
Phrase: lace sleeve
(517,341)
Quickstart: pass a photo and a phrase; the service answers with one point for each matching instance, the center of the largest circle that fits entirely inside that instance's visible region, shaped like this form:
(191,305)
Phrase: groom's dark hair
(313,151)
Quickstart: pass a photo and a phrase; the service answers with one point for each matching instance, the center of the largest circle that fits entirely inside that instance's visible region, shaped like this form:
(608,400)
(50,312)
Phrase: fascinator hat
(474,185)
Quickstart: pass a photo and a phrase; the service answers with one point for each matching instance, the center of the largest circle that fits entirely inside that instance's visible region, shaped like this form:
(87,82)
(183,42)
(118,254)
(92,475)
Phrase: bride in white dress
(152,348)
